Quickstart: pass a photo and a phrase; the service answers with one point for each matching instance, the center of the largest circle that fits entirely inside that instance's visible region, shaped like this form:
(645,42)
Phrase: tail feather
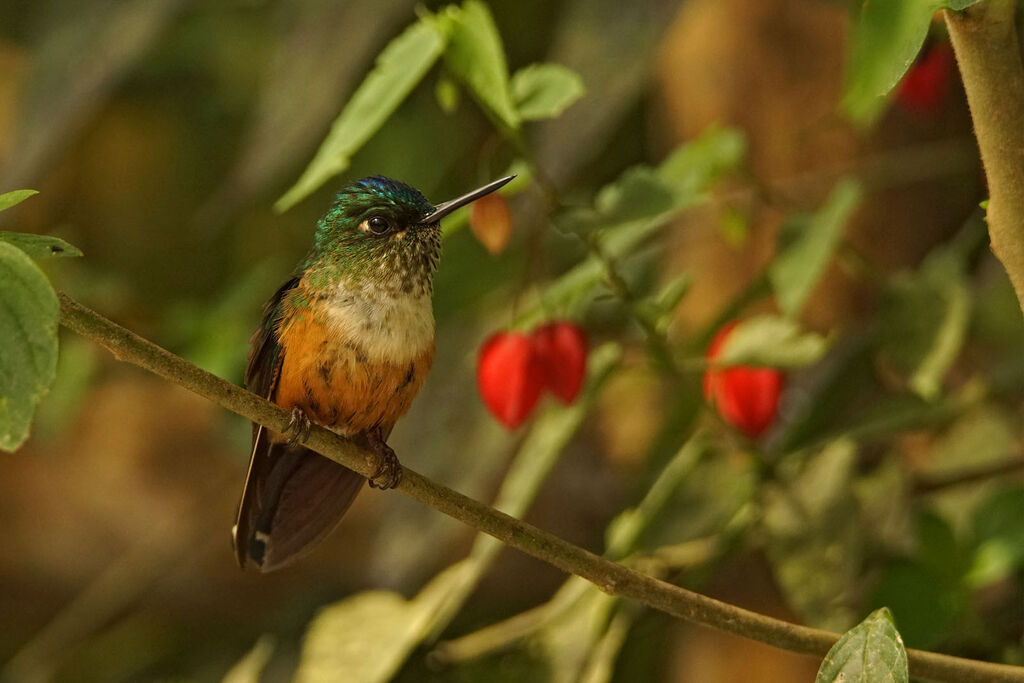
(293,498)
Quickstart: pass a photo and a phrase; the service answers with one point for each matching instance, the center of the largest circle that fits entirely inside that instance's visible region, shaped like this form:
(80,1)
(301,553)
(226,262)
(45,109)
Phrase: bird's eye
(378,225)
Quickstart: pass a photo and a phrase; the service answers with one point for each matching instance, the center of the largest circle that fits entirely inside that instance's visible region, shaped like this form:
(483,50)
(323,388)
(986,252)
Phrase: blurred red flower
(514,368)
(491,222)
(746,397)
(925,86)
(562,349)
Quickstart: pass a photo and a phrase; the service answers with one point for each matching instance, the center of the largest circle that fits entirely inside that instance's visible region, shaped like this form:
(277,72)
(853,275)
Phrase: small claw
(389,471)
(298,426)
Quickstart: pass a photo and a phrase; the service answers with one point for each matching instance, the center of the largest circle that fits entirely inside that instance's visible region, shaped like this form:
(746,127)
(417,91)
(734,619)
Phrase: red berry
(509,377)
(745,397)
(491,222)
(926,84)
(562,349)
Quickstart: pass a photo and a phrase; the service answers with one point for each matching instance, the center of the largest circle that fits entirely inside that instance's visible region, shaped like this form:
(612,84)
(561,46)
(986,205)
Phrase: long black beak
(442,210)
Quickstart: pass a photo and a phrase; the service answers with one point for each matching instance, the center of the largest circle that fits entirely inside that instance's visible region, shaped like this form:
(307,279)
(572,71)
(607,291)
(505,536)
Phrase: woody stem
(613,578)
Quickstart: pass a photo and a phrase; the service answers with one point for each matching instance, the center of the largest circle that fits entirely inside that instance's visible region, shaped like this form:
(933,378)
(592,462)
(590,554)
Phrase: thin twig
(656,339)
(938,482)
(612,578)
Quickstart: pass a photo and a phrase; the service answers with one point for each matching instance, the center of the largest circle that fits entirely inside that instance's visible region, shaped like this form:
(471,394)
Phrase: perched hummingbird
(345,343)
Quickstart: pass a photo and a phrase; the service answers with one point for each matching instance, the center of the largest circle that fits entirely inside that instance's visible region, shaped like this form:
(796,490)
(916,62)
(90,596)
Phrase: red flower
(745,397)
(925,86)
(513,369)
(562,349)
(509,377)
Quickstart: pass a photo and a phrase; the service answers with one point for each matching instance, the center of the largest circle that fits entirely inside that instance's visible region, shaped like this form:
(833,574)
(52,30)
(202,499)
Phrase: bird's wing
(293,496)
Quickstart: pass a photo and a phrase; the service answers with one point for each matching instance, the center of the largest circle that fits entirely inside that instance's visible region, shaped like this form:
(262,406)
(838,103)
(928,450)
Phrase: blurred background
(160,132)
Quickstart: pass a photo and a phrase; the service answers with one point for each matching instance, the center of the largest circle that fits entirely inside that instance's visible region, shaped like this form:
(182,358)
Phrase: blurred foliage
(160,134)
(885,42)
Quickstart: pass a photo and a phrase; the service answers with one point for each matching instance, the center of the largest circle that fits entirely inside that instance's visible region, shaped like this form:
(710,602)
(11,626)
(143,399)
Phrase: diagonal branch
(613,578)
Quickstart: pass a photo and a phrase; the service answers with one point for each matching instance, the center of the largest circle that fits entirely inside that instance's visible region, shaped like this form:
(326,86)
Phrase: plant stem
(610,577)
(939,482)
(656,340)
(984,38)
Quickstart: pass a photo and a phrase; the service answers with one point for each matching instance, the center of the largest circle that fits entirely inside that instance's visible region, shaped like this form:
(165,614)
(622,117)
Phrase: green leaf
(927,593)
(927,606)
(9,199)
(814,534)
(401,65)
(999,537)
(635,207)
(886,39)
(638,193)
(39,246)
(695,167)
(544,91)
(734,226)
(366,637)
(29,313)
(625,529)
(476,56)
(771,341)
(924,320)
(807,243)
(870,652)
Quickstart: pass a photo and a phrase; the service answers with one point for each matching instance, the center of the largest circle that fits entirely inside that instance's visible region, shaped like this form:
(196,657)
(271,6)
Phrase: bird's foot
(389,470)
(298,426)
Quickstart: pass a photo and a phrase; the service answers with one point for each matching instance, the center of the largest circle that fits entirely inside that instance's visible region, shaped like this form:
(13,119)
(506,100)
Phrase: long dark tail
(293,498)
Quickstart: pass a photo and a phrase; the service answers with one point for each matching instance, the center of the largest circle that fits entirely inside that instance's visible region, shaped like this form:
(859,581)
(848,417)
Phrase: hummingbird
(345,343)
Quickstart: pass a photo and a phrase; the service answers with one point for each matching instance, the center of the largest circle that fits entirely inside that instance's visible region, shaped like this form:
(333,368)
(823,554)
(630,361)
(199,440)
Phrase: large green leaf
(886,39)
(476,56)
(9,199)
(814,535)
(927,607)
(924,320)
(367,636)
(39,246)
(870,652)
(401,65)
(543,91)
(28,335)
(806,246)
(771,341)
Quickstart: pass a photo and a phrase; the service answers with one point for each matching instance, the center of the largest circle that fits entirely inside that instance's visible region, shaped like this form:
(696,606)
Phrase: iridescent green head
(383,233)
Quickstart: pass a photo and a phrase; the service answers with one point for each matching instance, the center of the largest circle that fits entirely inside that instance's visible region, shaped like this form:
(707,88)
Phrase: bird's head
(387,232)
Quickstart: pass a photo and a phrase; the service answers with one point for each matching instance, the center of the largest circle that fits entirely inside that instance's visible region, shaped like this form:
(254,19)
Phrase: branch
(610,577)
(984,37)
(938,482)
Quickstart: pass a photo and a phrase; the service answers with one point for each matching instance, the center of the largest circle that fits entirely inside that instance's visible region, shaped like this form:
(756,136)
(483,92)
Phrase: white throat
(389,326)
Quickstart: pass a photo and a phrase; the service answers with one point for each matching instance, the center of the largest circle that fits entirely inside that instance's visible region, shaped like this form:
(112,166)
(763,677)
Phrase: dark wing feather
(261,373)
(293,497)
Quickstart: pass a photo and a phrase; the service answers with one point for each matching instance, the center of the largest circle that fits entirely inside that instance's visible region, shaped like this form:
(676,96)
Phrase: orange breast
(336,383)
